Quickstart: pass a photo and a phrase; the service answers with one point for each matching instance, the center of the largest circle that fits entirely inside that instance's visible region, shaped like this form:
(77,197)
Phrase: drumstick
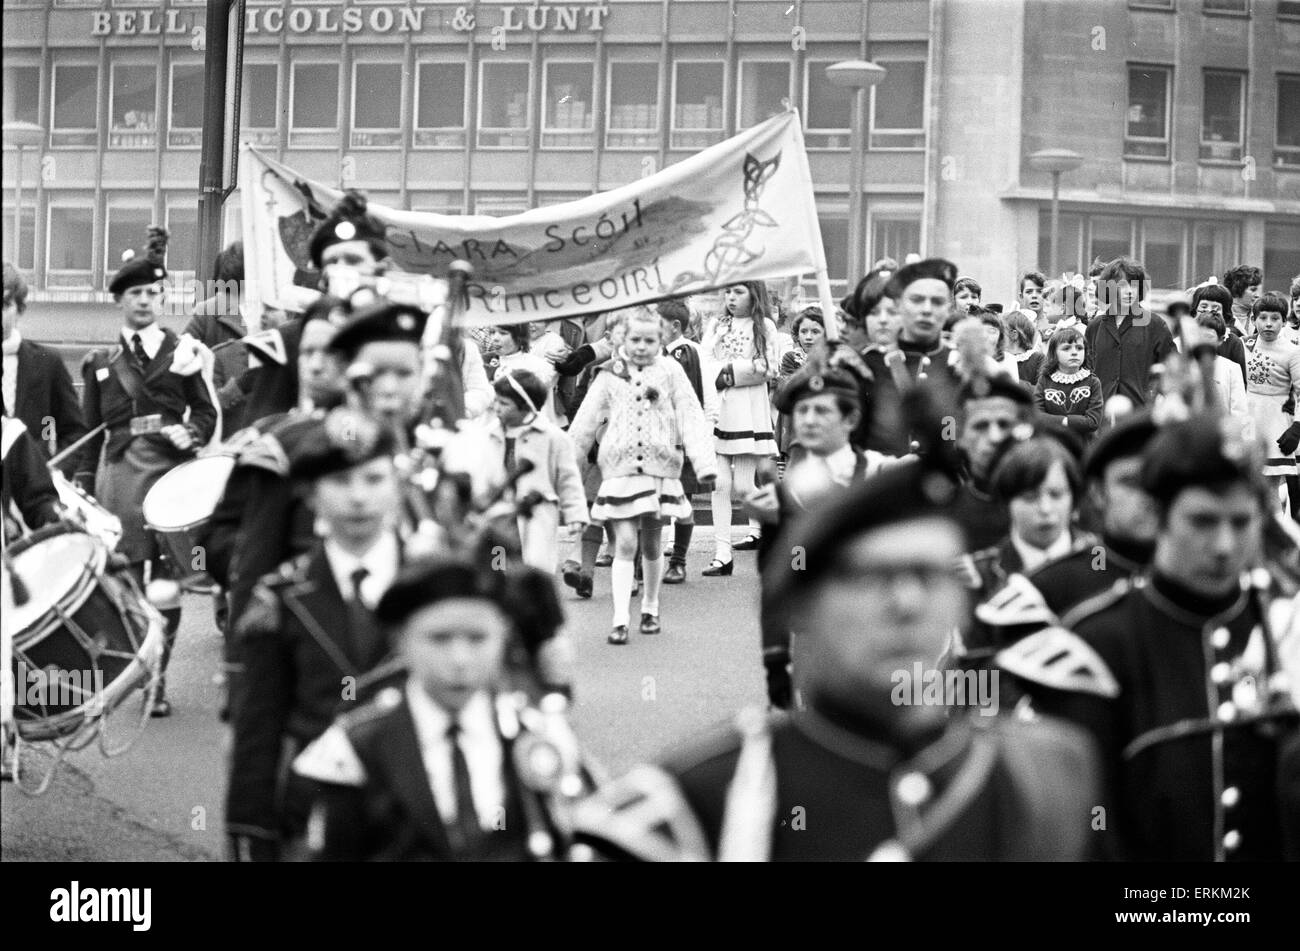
(54,463)
(16,586)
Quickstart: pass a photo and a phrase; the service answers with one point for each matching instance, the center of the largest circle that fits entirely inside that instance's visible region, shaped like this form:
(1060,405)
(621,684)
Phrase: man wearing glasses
(156,412)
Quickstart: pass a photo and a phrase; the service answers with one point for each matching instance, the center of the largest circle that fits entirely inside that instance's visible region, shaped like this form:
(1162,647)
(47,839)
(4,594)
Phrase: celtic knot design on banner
(731,249)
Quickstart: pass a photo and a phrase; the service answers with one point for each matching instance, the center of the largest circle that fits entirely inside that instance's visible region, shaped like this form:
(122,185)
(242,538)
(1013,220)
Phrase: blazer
(1123,357)
(44,391)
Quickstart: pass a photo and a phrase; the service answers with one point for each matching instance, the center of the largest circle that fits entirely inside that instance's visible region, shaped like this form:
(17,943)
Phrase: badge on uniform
(102,374)
(146,425)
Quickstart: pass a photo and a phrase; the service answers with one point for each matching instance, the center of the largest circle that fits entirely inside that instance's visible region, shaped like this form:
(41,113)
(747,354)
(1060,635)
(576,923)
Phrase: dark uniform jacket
(379,806)
(44,392)
(983,789)
(887,431)
(298,647)
(1122,358)
(27,485)
(1180,695)
(117,390)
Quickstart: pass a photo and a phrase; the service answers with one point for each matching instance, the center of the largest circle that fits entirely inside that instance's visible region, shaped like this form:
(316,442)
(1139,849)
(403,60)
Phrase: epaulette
(1015,603)
(723,740)
(262,615)
(1086,541)
(642,816)
(331,759)
(380,705)
(266,452)
(291,571)
(1061,660)
(93,356)
(1099,602)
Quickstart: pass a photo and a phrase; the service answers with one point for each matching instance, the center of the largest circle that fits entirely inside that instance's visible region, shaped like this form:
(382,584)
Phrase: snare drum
(89,514)
(85,638)
(179,504)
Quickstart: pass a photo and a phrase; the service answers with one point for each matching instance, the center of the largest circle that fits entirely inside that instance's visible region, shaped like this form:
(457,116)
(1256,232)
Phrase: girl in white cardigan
(650,414)
(741,345)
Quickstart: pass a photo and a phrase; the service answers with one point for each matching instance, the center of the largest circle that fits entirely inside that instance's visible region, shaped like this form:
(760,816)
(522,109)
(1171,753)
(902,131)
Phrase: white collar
(1031,557)
(381,561)
(842,462)
(151,338)
(432,720)
(1081,374)
(11,345)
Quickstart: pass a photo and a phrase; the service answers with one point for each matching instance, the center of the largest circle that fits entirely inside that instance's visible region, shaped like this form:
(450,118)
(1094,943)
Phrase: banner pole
(828,304)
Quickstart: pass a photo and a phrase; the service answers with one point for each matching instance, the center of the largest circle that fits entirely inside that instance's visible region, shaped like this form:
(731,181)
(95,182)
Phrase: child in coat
(1067,390)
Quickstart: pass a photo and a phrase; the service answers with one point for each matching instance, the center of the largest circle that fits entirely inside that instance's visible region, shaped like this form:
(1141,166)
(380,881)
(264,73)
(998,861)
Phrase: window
(1162,251)
(70,239)
(376,105)
(1226,6)
(1287,138)
(22,94)
(763,86)
(894,236)
(1146,126)
(442,203)
(1109,238)
(898,107)
(834,226)
(27,250)
(500,205)
(1216,247)
(698,90)
(828,109)
(1223,112)
(1153,4)
(260,109)
(440,105)
(133,112)
(1287,9)
(76,106)
(127,228)
(568,109)
(1281,256)
(314,113)
(504,108)
(185,125)
(183,245)
(1070,248)
(633,113)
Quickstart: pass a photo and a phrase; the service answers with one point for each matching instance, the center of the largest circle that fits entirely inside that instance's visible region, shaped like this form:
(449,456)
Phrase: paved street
(162,801)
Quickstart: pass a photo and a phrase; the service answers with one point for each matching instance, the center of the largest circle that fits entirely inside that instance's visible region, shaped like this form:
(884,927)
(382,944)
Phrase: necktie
(465,831)
(363,629)
(137,347)
(510,455)
(357,577)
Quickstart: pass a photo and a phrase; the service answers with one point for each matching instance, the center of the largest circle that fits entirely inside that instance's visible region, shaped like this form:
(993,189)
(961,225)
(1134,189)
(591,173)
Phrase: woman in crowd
(1273,379)
(742,346)
(1022,339)
(1069,393)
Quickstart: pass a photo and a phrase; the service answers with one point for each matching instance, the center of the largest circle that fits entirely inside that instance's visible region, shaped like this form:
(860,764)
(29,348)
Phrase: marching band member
(308,637)
(27,490)
(649,411)
(439,769)
(542,457)
(37,387)
(1177,673)
(143,390)
(857,774)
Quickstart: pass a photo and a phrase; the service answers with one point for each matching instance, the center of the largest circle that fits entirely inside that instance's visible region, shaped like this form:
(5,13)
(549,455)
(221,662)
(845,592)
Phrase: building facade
(484,108)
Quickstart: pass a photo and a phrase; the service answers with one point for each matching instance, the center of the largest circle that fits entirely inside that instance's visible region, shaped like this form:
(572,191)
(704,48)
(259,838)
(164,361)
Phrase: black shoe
(571,572)
(719,568)
(650,624)
(618,635)
(675,574)
(748,543)
(605,560)
(586,584)
(161,708)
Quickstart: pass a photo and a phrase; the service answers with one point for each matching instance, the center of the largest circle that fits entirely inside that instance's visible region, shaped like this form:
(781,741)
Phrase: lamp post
(859,75)
(1055,161)
(23,136)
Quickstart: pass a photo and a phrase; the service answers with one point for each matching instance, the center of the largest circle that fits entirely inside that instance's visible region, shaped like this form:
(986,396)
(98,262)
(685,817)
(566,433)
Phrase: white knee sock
(652,574)
(722,524)
(621,576)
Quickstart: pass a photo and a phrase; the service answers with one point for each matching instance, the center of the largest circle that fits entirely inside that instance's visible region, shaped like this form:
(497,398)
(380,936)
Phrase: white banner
(740,210)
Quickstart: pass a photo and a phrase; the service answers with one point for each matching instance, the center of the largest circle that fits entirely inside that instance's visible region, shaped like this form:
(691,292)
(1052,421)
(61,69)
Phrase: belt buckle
(145,425)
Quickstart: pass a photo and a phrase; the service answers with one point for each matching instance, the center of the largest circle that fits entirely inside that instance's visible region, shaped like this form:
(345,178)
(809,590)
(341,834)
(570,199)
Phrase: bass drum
(178,506)
(84,638)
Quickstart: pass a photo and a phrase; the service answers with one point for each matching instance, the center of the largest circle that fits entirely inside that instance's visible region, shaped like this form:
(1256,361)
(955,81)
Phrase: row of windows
(499,98)
(1223,115)
(1285,8)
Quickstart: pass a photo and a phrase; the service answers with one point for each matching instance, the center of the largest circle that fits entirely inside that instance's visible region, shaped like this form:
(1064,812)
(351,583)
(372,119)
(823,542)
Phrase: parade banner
(740,210)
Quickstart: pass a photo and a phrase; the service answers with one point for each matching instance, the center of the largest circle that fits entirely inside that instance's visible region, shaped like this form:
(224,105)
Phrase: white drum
(86,512)
(180,503)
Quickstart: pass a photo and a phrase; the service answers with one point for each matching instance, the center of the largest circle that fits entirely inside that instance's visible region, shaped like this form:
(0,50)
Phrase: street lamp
(21,135)
(1055,161)
(859,75)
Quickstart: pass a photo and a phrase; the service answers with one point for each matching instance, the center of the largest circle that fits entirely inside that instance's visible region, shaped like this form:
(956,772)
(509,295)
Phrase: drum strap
(133,385)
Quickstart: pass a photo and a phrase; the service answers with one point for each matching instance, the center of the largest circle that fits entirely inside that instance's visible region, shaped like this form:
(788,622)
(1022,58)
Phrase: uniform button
(920,376)
(1227,712)
(1231,796)
(1231,839)
(913,789)
(1220,673)
(1220,638)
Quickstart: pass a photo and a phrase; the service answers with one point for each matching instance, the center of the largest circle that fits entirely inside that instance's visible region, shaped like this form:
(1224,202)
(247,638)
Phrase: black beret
(349,221)
(1000,384)
(337,442)
(137,272)
(428,581)
(937,268)
(907,492)
(1203,452)
(994,308)
(816,382)
(380,322)
(1128,437)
